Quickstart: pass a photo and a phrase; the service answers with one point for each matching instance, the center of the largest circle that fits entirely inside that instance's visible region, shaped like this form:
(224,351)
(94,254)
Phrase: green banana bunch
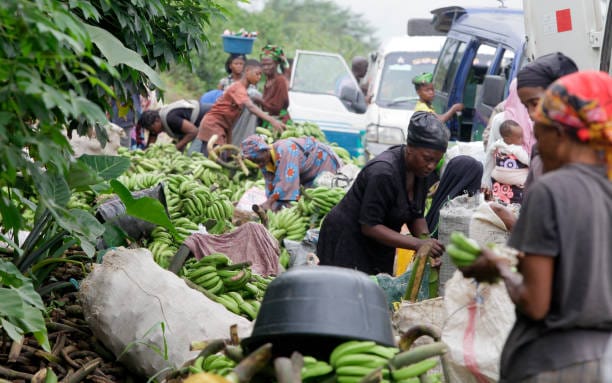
(234,285)
(462,250)
(353,360)
(315,369)
(162,252)
(287,223)
(323,199)
(218,364)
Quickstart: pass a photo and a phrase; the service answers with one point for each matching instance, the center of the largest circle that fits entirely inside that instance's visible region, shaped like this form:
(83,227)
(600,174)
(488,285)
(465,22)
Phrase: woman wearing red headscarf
(563,291)
(275,98)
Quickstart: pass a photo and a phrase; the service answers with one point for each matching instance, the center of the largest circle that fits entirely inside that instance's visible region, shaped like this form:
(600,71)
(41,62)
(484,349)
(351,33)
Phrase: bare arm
(391,238)
(190,132)
(450,113)
(264,116)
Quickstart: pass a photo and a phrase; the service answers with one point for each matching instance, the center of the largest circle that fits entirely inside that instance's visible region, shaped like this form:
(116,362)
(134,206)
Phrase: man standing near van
(426,92)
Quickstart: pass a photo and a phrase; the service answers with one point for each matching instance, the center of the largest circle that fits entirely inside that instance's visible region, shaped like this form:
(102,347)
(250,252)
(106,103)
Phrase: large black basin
(313,309)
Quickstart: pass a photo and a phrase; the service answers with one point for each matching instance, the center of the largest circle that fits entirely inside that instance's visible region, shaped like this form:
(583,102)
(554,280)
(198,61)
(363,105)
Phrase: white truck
(581,29)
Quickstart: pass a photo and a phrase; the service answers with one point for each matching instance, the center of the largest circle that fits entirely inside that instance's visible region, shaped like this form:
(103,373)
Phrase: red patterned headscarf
(277,54)
(582,101)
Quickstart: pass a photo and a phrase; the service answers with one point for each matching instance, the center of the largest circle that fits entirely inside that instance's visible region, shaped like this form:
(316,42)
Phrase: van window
(505,66)
(396,88)
(320,73)
(480,67)
(449,61)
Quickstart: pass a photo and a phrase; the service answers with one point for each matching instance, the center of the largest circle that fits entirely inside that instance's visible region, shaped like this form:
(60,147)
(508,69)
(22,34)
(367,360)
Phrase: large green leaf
(116,53)
(10,275)
(30,296)
(54,189)
(146,208)
(10,303)
(13,331)
(81,176)
(107,167)
(34,322)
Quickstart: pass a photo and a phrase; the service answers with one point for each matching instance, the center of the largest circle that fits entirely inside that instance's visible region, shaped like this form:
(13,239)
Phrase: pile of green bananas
(320,200)
(233,285)
(353,360)
(462,250)
(287,223)
(295,130)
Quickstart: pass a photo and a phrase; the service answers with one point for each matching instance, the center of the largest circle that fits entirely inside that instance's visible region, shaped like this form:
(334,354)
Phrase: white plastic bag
(253,196)
(127,298)
(479,318)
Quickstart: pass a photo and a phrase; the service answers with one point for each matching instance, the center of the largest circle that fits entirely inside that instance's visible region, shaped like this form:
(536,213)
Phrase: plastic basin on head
(238,44)
(313,309)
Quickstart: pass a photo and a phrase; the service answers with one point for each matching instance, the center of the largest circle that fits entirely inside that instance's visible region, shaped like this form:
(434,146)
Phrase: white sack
(128,296)
(478,321)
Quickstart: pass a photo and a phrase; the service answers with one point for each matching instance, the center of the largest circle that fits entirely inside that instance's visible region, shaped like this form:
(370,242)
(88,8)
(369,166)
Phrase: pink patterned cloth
(250,242)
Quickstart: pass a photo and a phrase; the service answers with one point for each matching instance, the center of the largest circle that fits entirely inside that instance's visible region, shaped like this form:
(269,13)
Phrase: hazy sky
(389,17)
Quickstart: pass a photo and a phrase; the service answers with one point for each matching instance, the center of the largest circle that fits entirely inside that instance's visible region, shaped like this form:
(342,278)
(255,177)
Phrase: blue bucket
(238,44)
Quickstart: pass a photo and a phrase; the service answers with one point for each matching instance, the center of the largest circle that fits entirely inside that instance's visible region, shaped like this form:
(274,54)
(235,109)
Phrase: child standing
(226,110)
(425,90)
(507,163)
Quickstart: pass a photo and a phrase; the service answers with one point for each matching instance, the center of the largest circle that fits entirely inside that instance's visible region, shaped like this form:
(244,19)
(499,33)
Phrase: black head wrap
(545,70)
(426,131)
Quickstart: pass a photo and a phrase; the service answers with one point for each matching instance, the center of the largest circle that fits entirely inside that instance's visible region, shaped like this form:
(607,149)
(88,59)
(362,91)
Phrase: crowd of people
(548,148)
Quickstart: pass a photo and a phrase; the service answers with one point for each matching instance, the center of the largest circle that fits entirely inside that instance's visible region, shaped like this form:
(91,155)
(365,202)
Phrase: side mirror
(493,89)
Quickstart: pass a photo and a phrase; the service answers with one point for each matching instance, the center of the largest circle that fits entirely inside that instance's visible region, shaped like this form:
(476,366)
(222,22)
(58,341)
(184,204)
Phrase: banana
(225,273)
(217,288)
(356,371)
(248,309)
(464,243)
(415,369)
(384,352)
(229,303)
(217,259)
(350,347)
(364,360)
(318,368)
(460,257)
(200,269)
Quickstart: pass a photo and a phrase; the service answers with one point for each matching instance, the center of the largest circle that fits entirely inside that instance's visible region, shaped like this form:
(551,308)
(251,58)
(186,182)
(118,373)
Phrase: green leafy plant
(21,308)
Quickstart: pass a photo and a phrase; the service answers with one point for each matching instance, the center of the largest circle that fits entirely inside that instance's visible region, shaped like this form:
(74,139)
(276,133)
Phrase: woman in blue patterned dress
(288,164)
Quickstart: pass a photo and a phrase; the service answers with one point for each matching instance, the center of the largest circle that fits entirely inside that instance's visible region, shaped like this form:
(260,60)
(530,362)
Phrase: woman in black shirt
(363,230)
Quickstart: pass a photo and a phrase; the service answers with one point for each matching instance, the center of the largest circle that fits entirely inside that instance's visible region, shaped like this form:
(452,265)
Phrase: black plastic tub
(313,309)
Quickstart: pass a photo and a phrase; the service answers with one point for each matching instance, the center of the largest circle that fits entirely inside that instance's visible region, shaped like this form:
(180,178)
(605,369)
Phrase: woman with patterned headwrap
(275,99)
(289,164)
(563,295)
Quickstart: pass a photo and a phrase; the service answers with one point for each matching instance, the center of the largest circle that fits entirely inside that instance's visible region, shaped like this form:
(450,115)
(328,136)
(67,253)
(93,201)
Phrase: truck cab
(482,54)
(323,90)
(391,93)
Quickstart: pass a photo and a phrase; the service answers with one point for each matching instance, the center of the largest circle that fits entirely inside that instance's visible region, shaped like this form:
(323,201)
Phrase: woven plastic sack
(128,297)
(486,226)
(455,215)
(427,312)
(479,318)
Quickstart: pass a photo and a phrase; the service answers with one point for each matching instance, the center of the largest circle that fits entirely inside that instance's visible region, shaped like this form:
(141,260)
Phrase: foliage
(60,63)
(293,24)
(21,308)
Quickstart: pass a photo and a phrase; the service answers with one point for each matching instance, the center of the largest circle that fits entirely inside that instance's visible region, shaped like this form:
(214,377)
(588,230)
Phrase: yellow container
(403,257)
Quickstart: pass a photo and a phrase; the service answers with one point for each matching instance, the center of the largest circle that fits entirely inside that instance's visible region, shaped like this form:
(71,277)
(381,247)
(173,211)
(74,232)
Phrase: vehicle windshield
(395,89)
(316,73)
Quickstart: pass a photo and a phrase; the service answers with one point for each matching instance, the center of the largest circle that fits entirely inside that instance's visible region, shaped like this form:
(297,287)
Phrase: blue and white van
(322,90)
(482,54)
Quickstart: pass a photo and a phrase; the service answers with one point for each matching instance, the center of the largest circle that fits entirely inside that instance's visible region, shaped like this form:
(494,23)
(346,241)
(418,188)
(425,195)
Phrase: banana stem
(252,364)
